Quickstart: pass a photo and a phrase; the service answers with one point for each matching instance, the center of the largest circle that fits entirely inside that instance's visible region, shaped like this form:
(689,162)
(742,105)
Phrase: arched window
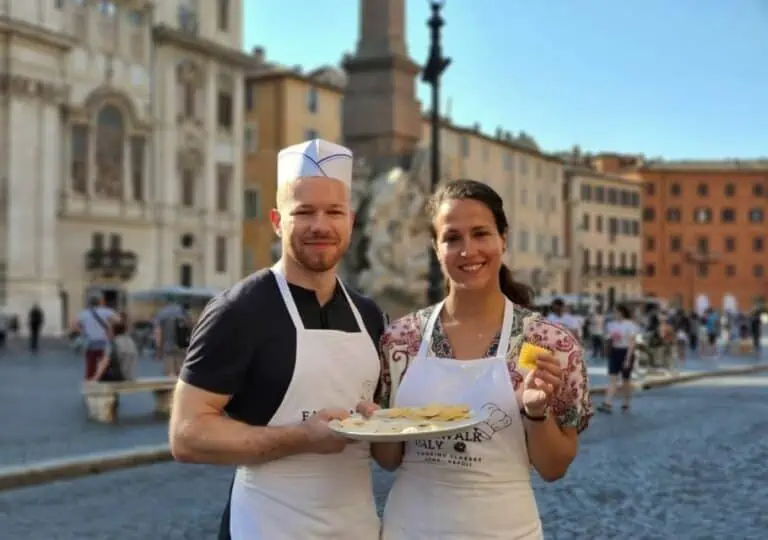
(110,150)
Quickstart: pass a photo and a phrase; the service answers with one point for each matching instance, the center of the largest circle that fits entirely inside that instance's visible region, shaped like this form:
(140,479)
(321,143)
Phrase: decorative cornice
(234,58)
(38,34)
(27,87)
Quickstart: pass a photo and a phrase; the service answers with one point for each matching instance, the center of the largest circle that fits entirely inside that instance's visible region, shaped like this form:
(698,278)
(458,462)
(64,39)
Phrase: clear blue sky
(669,78)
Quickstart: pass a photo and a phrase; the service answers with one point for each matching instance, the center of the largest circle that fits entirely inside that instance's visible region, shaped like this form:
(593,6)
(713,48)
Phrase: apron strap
(353,307)
(285,292)
(290,303)
(506,329)
(426,334)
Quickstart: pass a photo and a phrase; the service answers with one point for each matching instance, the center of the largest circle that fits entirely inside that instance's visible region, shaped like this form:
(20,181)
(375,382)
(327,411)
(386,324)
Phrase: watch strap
(533,418)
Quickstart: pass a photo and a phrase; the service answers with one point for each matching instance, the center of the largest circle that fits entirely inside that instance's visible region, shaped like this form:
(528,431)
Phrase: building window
(635,228)
(703,270)
(586,192)
(702,215)
(249,261)
(110,141)
(584,222)
(758,190)
(252,203)
(599,224)
(650,189)
(224,110)
(223,15)
(673,215)
(555,246)
(79,164)
(138,152)
(312,100)
(465,147)
(650,243)
(611,260)
(730,190)
(757,243)
(599,194)
(675,270)
(675,243)
(252,137)
(185,275)
(757,271)
(188,188)
(675,190)
(221,254)
(730,244)
(730,270)
(310,134)
(585,260)
(702,190)
(756,215)
(613,197)
(223,187)
(728,215)
(650,270)
(633,261)
(522,241)
(648,214)
(189,78)
(702,245)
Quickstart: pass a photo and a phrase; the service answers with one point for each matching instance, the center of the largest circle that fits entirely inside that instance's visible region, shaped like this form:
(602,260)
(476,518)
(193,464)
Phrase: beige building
(120,159)
(531,184)
(283,107)
(603,214)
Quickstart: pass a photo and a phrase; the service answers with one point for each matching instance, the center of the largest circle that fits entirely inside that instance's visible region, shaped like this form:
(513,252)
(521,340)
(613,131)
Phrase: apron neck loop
(506,329)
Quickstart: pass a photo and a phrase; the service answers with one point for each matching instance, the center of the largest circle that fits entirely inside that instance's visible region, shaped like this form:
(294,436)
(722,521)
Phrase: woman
(622,333)
(464,350)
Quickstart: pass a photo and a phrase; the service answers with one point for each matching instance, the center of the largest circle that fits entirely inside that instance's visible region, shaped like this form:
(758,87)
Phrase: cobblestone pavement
(689,462)
(43,416)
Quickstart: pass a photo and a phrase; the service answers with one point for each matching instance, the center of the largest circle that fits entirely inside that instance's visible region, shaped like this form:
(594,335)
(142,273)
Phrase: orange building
(282,107)
(705,230)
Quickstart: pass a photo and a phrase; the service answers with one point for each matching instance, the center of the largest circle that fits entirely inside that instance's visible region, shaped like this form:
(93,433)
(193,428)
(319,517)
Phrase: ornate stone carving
(389,255)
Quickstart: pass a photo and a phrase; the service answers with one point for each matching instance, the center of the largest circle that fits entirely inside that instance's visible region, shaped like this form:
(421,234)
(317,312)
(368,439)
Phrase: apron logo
(456,449)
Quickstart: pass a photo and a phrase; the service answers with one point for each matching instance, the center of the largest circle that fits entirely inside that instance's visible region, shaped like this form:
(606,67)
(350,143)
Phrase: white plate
(382,429)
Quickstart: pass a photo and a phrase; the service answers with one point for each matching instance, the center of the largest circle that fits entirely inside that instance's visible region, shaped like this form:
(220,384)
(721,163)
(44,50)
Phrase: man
(171,334)
(279,355)
(94,324)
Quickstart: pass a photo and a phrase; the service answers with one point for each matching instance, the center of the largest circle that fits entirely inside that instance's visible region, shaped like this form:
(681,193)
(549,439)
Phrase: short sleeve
(398,345)
(219,352)
(572,406)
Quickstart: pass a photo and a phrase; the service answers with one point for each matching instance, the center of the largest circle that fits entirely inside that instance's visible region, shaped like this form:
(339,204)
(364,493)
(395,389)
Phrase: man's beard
(319,261)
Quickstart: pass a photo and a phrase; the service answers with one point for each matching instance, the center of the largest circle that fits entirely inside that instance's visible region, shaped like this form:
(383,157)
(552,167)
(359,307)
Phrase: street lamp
(436,65)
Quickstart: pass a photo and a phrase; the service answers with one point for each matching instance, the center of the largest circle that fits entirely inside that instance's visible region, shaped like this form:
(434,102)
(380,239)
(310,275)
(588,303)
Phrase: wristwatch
(537,418)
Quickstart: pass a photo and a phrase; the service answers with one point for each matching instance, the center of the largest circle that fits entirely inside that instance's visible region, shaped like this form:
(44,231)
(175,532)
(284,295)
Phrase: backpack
(182,332)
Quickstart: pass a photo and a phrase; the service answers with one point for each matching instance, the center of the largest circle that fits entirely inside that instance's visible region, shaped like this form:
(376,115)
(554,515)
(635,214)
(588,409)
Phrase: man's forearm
(219,440)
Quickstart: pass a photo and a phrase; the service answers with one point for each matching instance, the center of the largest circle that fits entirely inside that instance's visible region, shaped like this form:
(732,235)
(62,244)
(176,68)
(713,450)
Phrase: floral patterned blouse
(572,407)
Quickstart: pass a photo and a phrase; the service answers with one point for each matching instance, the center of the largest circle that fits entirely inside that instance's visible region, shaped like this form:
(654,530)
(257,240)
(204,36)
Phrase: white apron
(473,485)
(313,496)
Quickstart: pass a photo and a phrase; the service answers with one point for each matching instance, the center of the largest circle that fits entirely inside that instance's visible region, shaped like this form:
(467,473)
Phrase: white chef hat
(314,158)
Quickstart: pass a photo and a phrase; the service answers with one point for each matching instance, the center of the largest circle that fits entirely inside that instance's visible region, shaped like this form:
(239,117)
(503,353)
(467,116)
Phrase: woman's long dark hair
(519,293)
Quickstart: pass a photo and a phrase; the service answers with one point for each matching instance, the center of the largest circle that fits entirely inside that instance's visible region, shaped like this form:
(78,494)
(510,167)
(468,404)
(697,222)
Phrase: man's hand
(367,408)
(320,438)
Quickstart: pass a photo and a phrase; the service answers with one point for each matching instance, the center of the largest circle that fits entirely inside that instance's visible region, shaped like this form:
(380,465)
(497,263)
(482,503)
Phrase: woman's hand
(541,384)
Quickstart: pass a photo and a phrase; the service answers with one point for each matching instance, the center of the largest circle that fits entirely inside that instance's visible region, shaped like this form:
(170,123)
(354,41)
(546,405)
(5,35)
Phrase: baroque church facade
(120,149)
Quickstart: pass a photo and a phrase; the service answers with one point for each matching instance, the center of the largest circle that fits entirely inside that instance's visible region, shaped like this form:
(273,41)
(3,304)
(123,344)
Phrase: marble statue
(389,256)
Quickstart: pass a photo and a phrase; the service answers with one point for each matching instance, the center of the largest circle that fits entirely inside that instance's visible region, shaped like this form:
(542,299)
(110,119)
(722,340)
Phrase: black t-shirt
(244,344)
